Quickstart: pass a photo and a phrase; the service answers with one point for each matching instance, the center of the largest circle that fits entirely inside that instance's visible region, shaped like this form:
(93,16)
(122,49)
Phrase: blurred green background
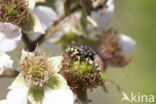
(136,18)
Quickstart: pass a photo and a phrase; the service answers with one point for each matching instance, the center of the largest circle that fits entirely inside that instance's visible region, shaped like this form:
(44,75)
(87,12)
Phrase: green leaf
(18,82)
(36,94)
(56,82)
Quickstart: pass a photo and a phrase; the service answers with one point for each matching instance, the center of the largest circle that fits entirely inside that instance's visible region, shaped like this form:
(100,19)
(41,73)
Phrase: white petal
(61,96)
(25,54)
(56,63)
(127,43)
(5,62)
(16,96)
(45,14)
(103,16)
(34,25)
(10,35)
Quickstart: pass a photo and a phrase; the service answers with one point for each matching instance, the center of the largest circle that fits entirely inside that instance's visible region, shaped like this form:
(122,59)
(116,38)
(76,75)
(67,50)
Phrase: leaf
(36,94)
(18,82)
(56,82)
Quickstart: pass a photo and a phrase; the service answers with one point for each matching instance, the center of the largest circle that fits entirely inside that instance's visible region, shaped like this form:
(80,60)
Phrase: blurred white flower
(127,43)
(103,16)
(10,35)
(46,15)
(5,62)
(54,90)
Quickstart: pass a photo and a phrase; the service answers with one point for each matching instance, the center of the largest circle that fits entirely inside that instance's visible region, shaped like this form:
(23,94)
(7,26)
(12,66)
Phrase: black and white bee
(80,52)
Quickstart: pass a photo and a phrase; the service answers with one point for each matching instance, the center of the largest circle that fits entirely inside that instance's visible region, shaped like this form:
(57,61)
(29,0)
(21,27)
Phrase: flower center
(36,68)
(14,11)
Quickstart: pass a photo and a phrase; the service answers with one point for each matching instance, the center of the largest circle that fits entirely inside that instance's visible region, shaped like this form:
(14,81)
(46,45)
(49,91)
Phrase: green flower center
(14,11)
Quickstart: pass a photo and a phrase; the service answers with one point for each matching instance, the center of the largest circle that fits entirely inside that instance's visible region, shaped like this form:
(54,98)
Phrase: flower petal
(36,94)
(10,35)
(5,62)
(103,16)
(16,96)
(127,43)
(25,54)
(56,82)
(56,63)
(18,82)
(34,25)
(43,11)
(61,96)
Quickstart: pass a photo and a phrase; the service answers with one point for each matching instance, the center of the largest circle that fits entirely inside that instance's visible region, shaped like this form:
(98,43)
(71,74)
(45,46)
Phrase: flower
(43,11)
(16,12)
(103,16)
(10,36)
(80,74)
(127,43)
(5,62)
(114,49)
(39,81)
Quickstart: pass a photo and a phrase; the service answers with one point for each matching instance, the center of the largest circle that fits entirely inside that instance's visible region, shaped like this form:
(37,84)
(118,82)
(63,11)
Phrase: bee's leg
(74,53)
(72,49)
(79,58)
(87,59)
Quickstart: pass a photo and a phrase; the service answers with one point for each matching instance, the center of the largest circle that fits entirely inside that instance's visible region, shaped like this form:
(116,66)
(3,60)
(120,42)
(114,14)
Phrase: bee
(80,52)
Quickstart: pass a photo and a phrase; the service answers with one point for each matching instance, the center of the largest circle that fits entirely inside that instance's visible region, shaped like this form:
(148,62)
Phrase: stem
(49,32)
(9,73)
(29,44)
(83,97)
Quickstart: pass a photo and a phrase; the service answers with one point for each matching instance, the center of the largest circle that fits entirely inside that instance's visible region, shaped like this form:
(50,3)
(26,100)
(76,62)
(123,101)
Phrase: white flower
(20,96)
(46,15)
(103,16)
(52,91)
(5,62)
(127,43)
(10,35)
(61,96)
